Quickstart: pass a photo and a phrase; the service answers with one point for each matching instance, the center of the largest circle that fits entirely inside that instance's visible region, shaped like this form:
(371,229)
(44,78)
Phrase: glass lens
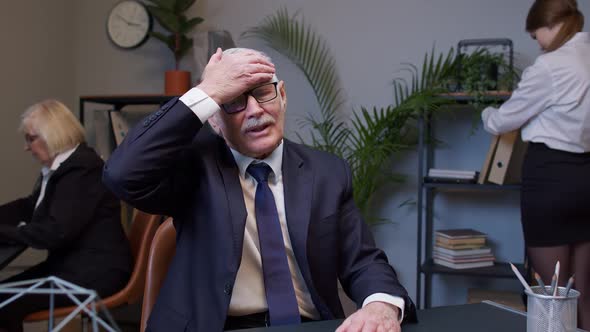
(265,93)
(30,138)
(236,105)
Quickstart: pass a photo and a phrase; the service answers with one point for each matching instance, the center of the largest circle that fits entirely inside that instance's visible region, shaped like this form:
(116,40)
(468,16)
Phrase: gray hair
(237,50)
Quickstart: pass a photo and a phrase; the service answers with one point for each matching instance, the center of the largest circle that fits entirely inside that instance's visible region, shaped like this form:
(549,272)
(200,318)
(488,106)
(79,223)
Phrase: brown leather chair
(161,253)
(140,237)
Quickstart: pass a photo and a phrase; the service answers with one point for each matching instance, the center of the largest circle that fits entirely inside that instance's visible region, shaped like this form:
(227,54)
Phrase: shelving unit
(425,228)
(120,101)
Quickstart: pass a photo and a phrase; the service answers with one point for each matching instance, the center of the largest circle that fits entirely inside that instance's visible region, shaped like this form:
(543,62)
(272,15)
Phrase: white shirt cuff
(383,297)
(200,103)
(487,122)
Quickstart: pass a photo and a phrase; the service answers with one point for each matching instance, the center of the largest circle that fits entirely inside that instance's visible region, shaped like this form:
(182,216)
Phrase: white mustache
(263,120)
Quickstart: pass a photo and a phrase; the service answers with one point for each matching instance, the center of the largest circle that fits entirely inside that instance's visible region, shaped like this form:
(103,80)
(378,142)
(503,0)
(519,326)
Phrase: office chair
(140,237)
(161,254)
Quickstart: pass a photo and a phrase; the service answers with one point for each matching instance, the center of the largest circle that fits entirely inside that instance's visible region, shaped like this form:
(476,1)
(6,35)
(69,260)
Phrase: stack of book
(462,249)
(451,176)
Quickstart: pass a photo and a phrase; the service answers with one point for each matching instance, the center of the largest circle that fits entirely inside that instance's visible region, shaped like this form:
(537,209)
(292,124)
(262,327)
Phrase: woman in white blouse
(551,106)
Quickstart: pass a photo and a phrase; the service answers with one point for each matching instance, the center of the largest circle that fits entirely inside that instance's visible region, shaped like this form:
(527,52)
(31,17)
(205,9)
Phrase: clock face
(128,24)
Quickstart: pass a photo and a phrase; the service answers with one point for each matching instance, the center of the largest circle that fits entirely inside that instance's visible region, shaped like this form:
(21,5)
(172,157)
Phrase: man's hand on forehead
(227,76)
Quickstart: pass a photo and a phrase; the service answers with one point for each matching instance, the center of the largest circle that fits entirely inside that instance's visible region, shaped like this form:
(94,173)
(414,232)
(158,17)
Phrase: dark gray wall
(36,63)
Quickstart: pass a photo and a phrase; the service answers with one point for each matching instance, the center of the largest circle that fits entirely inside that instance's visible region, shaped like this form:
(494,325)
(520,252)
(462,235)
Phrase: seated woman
(70,213)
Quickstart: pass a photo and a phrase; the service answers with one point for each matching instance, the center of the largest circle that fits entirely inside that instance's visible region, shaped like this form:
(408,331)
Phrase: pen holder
(551,313)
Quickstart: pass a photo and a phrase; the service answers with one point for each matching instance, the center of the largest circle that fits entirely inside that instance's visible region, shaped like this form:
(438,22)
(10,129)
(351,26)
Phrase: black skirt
(555,197)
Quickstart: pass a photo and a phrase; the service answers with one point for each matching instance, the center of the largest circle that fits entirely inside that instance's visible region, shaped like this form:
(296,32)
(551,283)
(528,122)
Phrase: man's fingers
(344,326)
(216,57)
(356,325)
(256,58)
(369,326)
(259,67)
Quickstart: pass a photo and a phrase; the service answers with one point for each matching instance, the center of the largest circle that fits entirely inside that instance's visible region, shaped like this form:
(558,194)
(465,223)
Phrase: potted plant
(482,72)
(170,15)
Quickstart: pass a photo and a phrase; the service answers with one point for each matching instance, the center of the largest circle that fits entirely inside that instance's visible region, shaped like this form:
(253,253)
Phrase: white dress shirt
(47,171)
(248,295)
(552,101)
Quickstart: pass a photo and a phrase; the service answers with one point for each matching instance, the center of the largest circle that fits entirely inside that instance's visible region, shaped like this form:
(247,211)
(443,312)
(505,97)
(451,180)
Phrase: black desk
(9,252)
(481,317)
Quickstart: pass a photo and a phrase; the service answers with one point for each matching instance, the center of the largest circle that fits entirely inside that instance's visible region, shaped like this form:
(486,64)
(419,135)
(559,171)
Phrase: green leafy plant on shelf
(369,139)
(171,16)
(480,72)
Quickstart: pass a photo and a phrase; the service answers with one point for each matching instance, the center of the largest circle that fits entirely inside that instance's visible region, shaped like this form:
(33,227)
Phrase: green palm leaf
(290,36)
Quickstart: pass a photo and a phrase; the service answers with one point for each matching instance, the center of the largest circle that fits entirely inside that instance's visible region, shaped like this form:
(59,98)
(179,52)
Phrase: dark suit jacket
(78,222)
(168,165)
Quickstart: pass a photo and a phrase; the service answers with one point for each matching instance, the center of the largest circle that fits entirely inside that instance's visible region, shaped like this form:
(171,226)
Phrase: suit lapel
(297,186)
(235,197)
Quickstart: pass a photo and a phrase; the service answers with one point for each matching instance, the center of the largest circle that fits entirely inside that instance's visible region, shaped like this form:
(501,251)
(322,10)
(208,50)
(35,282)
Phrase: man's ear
(214,122)
(283,93)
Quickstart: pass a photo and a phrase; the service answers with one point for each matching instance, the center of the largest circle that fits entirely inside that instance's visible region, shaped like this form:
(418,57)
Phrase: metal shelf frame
(425,267)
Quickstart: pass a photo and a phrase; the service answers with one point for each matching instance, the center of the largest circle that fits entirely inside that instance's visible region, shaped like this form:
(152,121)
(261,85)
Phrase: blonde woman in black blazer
(70,214)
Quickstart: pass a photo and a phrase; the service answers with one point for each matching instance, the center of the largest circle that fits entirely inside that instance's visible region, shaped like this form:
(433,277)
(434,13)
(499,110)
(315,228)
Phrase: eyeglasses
(262,94)
(29,139)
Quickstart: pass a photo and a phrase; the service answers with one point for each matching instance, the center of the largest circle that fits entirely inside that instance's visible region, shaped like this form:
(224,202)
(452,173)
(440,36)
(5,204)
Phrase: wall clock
(129,24)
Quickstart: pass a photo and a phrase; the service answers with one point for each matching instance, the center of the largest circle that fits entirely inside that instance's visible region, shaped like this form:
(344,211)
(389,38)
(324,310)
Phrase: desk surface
(9,253)
(479,317)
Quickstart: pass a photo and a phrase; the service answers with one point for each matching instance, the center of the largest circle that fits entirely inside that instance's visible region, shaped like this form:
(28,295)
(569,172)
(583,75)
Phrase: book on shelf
(462,252)
(465,259)
(477,240)
(459,246)
(460,233)
(462,248)
(453,174)
(460,266)
(430,179)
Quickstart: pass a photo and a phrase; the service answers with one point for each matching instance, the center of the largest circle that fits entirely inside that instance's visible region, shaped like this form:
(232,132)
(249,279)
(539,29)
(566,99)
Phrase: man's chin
(261,151)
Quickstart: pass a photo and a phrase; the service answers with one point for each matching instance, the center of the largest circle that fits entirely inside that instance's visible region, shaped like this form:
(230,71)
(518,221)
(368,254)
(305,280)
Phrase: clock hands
(128,22)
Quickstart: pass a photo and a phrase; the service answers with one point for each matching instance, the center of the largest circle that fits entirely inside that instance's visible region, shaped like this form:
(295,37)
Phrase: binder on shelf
(103,138)
(487,164)
(507,162)
(120,126)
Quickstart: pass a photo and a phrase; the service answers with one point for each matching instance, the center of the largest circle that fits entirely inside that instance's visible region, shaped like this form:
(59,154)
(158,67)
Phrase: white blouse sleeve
(533,95)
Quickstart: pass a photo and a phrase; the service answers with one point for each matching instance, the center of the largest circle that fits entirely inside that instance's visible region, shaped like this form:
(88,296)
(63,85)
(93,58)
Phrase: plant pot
(177,82)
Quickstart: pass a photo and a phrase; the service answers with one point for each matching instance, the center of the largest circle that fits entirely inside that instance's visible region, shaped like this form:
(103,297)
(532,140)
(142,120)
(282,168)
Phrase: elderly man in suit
(265,227)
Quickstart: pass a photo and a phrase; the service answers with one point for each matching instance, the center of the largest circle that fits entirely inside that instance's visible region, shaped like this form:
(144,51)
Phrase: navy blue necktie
(280,294)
